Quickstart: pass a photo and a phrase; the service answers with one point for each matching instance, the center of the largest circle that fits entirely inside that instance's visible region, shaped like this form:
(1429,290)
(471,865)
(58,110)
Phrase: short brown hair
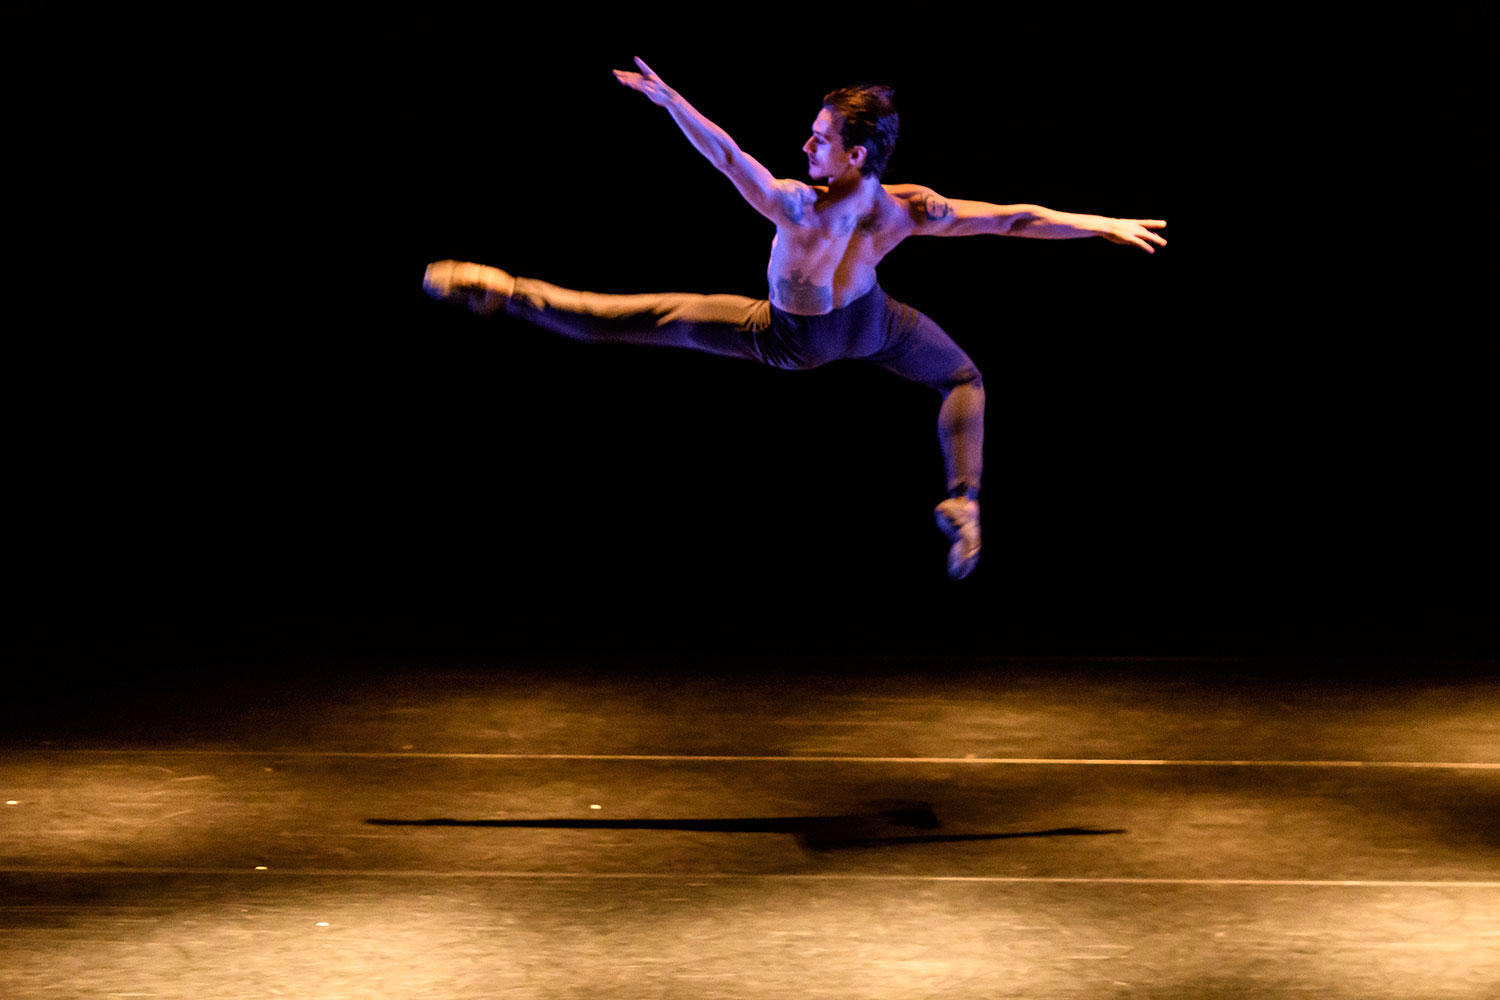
(867,118)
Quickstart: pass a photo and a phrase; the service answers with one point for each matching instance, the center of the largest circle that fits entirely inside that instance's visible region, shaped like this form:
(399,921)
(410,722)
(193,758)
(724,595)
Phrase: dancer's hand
(648,83)
(1134,233)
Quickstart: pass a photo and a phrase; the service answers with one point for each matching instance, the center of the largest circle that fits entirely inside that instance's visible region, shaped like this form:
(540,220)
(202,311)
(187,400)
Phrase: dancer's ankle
(964,491)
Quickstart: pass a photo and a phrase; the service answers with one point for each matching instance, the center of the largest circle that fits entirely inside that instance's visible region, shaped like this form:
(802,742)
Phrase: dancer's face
(826,156)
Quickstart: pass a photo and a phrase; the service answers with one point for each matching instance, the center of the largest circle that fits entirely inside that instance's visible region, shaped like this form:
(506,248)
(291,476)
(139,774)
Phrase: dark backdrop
(247,425)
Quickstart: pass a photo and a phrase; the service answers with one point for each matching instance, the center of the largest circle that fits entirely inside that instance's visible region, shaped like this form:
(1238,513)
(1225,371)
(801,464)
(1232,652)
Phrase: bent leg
(920,351)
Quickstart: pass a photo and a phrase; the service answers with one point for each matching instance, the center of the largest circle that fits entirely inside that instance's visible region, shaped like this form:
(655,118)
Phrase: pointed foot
(958,518)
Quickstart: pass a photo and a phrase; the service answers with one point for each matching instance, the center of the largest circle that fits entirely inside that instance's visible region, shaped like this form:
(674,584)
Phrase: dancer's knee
(966,377)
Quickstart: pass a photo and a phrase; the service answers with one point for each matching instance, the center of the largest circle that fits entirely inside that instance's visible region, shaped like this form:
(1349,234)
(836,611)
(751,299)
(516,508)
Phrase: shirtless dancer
(825,303)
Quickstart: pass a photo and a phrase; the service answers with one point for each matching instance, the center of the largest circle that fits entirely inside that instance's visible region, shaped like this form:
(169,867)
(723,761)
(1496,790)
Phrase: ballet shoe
(480,287)
(958,518)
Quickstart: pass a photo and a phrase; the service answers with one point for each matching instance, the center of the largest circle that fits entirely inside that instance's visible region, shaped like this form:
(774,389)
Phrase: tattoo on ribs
(800,295)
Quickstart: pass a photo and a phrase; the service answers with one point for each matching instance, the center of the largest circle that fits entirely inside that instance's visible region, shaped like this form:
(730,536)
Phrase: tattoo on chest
(796,293)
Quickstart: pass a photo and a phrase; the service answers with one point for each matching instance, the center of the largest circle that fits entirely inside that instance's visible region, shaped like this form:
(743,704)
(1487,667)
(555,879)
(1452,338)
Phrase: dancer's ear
(858,155)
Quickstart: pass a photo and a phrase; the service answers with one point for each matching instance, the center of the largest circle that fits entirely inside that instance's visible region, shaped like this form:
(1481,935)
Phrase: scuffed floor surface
(851,830)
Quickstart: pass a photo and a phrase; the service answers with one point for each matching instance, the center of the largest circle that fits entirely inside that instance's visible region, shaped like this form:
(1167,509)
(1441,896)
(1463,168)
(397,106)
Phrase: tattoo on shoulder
(793,204)
(801,295)
(935,207)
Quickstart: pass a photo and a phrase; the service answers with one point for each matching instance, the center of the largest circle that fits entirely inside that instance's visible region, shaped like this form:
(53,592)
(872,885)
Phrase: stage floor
(842,829)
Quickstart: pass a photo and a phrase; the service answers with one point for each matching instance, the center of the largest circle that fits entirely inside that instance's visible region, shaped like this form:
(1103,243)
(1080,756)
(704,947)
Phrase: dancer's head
(866,117)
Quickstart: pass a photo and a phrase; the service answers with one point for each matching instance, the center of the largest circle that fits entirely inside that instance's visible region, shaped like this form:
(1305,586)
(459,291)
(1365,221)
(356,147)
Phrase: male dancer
(825,303)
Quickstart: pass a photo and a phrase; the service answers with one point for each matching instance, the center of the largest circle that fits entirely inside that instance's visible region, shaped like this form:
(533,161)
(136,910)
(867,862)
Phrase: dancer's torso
(826,259)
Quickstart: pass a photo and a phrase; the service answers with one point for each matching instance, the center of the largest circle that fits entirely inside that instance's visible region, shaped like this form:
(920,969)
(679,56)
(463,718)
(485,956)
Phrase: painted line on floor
(772,759)
(773,876)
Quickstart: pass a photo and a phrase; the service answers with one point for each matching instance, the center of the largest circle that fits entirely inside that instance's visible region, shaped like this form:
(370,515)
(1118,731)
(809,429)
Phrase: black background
(245,427)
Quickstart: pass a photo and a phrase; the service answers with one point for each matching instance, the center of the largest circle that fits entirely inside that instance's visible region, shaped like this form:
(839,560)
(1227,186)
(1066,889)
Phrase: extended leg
(717,324)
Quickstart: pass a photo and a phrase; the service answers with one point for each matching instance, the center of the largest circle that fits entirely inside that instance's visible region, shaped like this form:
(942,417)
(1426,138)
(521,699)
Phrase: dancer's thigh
(923,352)
(717,324)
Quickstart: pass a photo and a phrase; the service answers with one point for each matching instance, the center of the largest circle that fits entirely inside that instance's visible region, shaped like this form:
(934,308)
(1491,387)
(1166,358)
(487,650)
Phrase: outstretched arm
(934,215)
(778,200)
